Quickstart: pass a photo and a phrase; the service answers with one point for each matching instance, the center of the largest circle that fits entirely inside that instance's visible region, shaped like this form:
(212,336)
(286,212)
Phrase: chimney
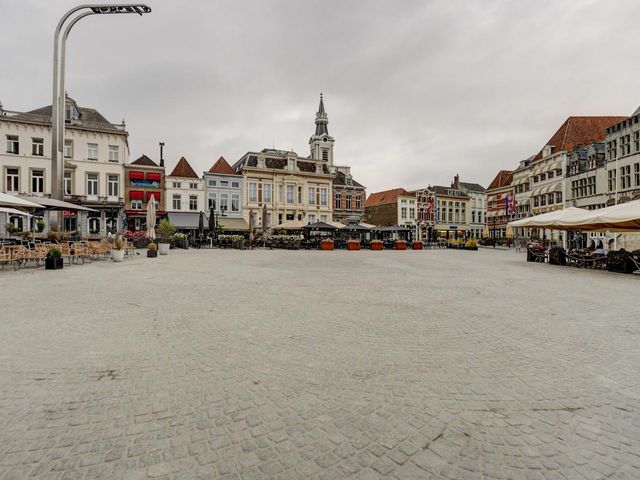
(456,182)
(162,154)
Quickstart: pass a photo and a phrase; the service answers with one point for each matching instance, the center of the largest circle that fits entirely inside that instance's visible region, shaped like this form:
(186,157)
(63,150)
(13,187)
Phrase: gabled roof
(341,179)
(579,131)
(222,167)
(450,191)
(90,115)
(183,169)
(144,161)
(503,179)
(473,187)
(386,197)
(637,112)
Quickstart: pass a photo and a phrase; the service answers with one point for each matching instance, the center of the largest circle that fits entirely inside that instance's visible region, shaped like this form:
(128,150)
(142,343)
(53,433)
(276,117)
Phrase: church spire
(321,119)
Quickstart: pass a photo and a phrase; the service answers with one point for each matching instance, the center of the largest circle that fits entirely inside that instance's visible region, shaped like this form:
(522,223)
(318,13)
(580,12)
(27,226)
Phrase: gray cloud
(416,91)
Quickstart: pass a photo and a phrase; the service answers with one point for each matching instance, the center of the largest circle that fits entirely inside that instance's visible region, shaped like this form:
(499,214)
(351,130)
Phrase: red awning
(136,175)
(156,195)
(154,177)
(136,195)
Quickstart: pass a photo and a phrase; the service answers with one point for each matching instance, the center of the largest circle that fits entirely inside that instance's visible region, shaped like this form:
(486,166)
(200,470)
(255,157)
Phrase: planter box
(163,248)
(152,253)
(239,244)
(400,245)
(377,246)
(117,255)
(353,245)
(53,263)
(326,245)
(417,245)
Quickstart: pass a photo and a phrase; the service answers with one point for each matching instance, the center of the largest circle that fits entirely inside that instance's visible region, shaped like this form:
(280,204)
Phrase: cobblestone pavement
(322,365)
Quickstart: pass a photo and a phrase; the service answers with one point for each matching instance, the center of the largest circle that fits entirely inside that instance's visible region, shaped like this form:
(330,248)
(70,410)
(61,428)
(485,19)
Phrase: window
(113,188)
(358,202)
(636,173)
(625,177)
(37,181)
(235,184)
(412,213)
(67,183)
(224,202)
(323,218)
(636,141)
(550,174)
(212,183)
(266,192)
(176,184)
(280,195)
(324,196)
(212,201)
(13,144)
(93,224)
(193,186)
(312,218)
(37,147)
(114,153)
(338,200)
(253,192)
(558,197)
(235,202)
(224,183)
(611,180)
(348,201)
(92,184)
(325,155)
(92,151)
(13,180)
(136,204)
(299,195)
(193,202)
(290,194)
(176,203)
(68,149)
(312,195)
(403,213)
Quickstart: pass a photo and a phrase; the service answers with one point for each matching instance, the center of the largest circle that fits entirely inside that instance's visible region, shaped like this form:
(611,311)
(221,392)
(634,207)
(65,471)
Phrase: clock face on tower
(325,139)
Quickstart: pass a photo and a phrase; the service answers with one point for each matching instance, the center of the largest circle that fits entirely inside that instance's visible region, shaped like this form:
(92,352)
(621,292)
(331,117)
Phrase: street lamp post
(58,101)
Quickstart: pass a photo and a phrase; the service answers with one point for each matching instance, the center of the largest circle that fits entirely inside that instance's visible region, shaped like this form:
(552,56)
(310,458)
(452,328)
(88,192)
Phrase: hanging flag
(507,202)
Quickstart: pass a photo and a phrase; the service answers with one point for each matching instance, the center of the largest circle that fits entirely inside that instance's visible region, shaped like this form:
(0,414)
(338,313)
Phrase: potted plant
(152,250)
(117,249)
(165,231)
(557,256)
(326,244)
(400,244)
(471,244)
(237,242)
(377,245)
(181,240)
(54,260)
(417,245)
(353,244)
(40,225)
(618,261)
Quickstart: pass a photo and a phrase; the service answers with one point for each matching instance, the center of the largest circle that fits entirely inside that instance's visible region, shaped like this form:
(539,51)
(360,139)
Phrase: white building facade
(94,154)
(224,193)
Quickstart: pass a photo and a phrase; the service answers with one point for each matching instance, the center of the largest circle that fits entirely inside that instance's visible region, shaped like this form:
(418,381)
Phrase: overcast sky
(415,91)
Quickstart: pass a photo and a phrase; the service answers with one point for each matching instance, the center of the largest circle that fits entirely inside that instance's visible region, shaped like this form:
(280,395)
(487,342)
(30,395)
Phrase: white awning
(14,211)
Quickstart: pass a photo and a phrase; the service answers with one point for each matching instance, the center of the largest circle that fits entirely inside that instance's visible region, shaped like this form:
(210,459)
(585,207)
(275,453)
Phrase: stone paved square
(280,364)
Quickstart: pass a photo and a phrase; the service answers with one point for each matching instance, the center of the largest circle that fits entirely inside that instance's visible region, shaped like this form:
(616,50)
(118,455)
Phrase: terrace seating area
(19,254)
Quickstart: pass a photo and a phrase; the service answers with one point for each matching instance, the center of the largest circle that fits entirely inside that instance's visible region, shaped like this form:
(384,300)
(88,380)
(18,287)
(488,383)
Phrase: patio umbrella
(201,225)
(151,218)
(264,220)
(11,201)
(509,232)
(212,222)
(250,227)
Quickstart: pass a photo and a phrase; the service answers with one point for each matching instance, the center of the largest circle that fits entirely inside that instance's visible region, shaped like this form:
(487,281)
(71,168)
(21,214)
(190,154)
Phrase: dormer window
(546,151)
(71,112)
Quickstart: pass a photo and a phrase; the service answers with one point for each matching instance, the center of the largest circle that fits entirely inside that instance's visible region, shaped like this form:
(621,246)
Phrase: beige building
(291,187)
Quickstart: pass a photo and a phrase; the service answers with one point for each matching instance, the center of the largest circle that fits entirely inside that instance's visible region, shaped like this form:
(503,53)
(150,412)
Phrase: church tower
(321,142)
